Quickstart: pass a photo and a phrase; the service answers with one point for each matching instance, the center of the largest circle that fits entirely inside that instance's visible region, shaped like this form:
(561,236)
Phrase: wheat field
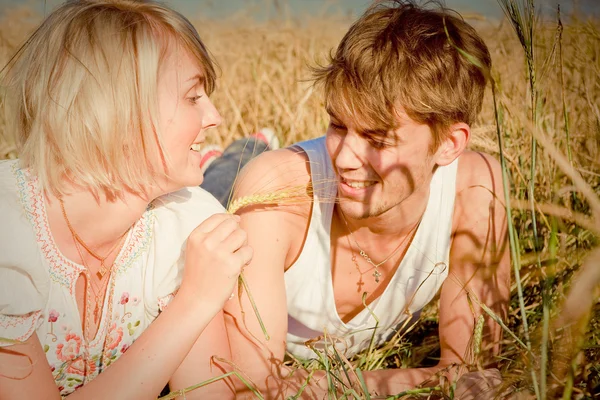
(265,82)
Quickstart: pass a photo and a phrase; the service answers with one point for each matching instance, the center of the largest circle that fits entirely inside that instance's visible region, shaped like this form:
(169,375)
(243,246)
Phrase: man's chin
(354,209)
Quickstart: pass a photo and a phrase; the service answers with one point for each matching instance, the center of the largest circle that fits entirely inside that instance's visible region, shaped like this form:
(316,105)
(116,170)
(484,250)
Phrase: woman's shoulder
(178,213)
(8,178)
(12,210)
(191,202)
(24,281)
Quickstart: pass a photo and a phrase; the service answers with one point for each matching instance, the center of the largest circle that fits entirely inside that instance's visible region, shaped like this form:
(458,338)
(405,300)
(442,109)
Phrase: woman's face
(185,114)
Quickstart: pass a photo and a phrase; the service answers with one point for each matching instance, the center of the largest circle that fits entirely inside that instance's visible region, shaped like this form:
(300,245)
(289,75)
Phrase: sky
(299,8)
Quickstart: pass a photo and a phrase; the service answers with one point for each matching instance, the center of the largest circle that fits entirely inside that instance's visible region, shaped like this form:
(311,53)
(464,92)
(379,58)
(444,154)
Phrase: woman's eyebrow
(199,77)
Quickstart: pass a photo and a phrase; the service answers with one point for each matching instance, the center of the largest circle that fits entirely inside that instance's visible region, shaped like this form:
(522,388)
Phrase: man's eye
(379,144)
(337,127)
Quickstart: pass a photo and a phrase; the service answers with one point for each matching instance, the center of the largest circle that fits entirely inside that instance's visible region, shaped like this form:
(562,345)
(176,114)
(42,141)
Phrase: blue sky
(262,8)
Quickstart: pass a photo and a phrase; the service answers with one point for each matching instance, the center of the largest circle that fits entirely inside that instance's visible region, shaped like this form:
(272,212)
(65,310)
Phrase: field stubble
(265,81)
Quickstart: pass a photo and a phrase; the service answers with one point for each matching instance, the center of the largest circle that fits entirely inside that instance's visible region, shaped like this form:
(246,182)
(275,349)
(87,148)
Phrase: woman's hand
(216,252)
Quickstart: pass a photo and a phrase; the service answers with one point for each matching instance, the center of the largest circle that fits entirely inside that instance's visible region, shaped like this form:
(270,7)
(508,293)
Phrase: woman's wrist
(195,303)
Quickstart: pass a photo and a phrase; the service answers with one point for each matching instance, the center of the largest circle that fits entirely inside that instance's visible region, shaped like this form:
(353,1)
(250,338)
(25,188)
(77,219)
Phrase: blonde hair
(81,93)
(400,55)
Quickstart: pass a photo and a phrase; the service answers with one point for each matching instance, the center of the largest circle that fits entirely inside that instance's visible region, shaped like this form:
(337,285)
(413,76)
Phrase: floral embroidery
(124,301)
(164,301)
(113,339)
(114,336)
(97,363)
(132,327)
(70,350)
(79,366)
(62,270)
(52,318)
(22,325)
(74,360)
(53,315)
(124,348)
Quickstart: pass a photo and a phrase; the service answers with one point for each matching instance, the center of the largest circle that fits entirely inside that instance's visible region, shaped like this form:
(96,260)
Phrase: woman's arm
(200,364)
(150,362)
(141,372)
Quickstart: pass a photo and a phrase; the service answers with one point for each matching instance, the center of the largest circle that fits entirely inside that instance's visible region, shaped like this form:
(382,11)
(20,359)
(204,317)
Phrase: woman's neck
(99,221)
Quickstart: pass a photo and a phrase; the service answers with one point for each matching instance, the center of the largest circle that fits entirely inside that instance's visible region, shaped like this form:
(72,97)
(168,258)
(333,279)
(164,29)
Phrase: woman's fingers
(236,239)
(216,220)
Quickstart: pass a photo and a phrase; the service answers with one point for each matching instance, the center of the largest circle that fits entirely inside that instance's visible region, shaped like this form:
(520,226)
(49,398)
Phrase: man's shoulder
(478,189)
(478,170)
(274,170)
(279,180)
(287,158)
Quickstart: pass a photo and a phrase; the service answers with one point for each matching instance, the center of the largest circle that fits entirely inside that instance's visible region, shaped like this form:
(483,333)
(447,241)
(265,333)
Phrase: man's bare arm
(479,265)
(270,230)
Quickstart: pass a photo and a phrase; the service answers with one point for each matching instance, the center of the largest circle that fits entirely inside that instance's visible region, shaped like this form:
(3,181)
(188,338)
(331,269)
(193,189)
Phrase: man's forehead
(362,124)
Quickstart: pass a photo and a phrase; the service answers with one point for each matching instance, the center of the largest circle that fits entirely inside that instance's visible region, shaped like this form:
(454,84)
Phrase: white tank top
(309,288)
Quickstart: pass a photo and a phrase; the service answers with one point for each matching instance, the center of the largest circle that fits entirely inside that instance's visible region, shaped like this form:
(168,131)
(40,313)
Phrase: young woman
(103,223)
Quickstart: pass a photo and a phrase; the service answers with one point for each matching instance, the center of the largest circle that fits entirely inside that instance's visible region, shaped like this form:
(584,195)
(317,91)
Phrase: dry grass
(264,83)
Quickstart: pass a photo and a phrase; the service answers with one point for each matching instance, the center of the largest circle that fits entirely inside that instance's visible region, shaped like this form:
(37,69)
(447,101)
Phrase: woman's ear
(454,144)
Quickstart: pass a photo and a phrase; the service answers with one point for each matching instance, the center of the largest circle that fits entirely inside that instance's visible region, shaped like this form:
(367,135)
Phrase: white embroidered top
(37,283)
(309,289)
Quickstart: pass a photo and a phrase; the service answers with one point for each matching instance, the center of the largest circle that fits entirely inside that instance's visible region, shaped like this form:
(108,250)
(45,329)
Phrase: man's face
(378,171)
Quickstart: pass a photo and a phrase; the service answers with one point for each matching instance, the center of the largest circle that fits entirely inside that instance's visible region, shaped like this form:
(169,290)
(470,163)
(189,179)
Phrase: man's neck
(395,222)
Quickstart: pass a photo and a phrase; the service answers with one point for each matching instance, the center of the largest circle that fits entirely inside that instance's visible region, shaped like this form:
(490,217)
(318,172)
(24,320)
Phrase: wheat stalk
(257,199)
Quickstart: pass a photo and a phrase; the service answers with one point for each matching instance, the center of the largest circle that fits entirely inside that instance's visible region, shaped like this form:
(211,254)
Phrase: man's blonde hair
(81,93)
(398,54)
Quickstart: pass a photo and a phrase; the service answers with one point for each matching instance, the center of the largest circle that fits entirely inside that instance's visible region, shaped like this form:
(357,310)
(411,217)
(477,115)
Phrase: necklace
(363,254)
(103,269)
(99,294)
(360,282)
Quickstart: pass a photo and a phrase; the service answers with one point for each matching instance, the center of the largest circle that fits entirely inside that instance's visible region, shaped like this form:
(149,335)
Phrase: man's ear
(454,144)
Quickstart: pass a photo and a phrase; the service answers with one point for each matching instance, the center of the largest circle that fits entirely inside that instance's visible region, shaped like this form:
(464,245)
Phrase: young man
(400,210)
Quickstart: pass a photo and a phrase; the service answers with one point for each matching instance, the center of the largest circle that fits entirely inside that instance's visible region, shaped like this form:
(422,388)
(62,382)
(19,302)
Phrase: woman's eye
(194,99)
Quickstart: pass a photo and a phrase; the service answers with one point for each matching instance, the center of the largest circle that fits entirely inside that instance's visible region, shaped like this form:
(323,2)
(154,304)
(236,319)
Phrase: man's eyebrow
(382,133)
(331,112)
(375,132)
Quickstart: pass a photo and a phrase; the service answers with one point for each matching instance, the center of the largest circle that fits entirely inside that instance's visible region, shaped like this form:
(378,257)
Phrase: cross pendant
(359,284)
(376,274)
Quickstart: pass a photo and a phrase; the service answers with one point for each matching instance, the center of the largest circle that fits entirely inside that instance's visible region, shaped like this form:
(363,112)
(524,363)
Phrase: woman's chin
(182,182)
(193,179)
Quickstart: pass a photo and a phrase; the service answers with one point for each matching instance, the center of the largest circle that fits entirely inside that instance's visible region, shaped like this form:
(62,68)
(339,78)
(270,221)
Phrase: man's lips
(357,183)
(355,188)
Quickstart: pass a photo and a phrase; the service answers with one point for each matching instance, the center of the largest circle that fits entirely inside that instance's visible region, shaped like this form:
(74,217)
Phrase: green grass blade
(251,298)
(182,392)
(417,391)
(363,384)
(512,236)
